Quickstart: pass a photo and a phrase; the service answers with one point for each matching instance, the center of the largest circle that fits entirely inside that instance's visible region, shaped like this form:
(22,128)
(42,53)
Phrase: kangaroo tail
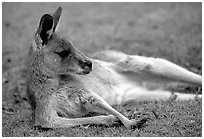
(142,95)
(182,97)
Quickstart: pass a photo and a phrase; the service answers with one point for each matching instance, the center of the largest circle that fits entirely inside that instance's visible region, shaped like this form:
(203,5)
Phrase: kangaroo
(65,86)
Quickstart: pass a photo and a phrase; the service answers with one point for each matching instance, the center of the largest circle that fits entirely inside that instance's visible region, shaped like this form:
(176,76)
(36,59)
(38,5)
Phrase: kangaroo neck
(42,76)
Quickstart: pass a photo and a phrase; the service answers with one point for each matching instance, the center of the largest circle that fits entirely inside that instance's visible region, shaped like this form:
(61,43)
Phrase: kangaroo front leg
(97,104)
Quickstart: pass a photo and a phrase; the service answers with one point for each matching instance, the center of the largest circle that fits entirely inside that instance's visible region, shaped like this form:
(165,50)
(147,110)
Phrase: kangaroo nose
(88,63)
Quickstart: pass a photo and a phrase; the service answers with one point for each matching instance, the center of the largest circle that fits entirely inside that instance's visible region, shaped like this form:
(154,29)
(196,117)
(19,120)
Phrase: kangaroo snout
(86,65)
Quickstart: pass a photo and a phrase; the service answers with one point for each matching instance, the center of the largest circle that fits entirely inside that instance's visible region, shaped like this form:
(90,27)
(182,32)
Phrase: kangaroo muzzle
(86,65)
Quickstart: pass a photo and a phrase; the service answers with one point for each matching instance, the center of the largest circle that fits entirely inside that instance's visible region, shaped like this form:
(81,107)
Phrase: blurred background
(168,30)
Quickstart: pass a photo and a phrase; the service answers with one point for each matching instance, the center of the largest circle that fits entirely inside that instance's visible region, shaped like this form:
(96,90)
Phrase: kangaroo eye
(63,54)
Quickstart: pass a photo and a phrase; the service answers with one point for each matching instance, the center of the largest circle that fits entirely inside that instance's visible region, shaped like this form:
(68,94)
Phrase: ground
(168,30)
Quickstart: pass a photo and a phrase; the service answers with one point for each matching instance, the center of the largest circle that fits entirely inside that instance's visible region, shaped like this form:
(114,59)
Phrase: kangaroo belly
(118,88)
(132,93)
(139,87)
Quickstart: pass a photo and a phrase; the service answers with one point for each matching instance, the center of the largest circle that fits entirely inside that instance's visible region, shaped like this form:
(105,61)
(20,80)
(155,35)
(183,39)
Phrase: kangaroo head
(58,54)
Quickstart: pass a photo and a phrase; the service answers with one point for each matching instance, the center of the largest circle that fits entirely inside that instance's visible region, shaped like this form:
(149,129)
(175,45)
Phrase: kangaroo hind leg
(159,69)
(68,110)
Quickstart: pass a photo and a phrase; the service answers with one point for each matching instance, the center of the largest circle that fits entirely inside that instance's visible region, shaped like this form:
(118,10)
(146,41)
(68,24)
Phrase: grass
(168,119)
(169,30)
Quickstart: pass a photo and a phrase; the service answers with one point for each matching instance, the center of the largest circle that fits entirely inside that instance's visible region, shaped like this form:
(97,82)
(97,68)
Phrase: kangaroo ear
(45,28)
(56,17)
